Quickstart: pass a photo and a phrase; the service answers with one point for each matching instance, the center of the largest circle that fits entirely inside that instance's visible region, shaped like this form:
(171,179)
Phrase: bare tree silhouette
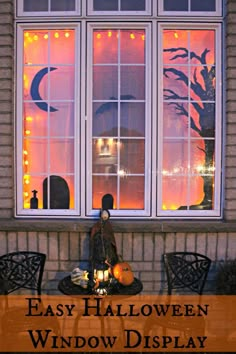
(205,110)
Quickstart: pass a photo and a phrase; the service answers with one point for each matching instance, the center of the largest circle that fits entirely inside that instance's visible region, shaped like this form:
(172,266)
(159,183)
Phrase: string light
(109,33)
(35,37)
(45,36)
(132,36)
(99,35)
(56,35)
(176,35)
(67,34)
(27,132)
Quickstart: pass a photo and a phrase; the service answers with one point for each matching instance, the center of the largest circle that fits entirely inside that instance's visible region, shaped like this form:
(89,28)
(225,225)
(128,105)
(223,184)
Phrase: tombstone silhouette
(59,193)
(107,202)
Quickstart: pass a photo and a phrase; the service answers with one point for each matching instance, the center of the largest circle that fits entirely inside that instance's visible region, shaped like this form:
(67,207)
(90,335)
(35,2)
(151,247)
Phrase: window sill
(147,226)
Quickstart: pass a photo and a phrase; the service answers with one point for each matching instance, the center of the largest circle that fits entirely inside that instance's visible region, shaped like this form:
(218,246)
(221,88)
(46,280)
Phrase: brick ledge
(139,226)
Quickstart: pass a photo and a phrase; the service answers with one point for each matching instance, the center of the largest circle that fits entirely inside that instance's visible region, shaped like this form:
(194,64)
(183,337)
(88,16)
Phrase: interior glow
(39,125)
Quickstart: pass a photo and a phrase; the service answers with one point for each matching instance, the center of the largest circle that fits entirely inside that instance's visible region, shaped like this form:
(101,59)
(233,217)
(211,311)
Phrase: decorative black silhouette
(205,110)
(34,90)
(59,193)
(107,202)
(113,103)
(34,200)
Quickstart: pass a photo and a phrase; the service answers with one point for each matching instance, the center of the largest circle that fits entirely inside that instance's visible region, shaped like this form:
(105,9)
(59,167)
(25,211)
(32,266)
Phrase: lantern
(101,277)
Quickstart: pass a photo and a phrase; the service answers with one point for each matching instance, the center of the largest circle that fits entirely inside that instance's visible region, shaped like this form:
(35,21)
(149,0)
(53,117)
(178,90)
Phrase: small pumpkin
(123,273)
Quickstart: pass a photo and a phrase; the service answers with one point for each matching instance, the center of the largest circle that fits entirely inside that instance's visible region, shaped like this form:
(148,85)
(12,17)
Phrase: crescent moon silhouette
(34,90)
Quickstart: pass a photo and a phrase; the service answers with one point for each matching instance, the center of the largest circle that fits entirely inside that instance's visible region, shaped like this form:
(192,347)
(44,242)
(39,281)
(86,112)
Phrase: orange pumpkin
(123,273)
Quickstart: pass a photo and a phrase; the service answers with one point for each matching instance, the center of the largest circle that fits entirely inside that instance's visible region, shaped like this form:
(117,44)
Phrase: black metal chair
(186,274)
(22,270)
(21,273)
(186,271)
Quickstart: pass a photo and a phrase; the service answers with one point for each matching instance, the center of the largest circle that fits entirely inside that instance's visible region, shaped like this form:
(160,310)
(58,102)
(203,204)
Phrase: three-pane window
(130,109)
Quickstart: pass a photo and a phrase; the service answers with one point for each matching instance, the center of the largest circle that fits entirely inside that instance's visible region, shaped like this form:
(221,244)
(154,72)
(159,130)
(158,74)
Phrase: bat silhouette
(113,104)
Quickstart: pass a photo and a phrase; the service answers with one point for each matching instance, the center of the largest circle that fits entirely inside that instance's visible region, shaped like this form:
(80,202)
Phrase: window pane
(62,5)
(39,41)
(62,39)
(105,157)
(117,116)
(132,120)
(35,122)
(61,156)
(48,120)
(105,47)
(101,186)
(208,5)
(35,5)
(132,44)
(189,119)
(62,121)
(132,156)
(132,193)
(105,85)
(105,122)
(131,5)
(132,82)
(173,5)
(105,5)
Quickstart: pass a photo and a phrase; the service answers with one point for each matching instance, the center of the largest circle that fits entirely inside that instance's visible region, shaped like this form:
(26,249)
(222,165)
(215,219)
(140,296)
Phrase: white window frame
(21,13)
(148,73)
(199,214)
(83,104)
(211,14)
(148,4)
(20,210)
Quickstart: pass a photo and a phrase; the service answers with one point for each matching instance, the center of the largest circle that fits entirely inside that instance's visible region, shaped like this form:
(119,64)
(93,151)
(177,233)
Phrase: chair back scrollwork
(186,270)
(22,270)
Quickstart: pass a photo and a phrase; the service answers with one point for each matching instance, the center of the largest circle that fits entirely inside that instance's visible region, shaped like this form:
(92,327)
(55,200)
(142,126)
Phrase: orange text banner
(142,323)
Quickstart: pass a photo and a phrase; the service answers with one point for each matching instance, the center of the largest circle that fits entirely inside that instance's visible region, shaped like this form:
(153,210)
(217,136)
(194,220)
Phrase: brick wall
(66,250)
